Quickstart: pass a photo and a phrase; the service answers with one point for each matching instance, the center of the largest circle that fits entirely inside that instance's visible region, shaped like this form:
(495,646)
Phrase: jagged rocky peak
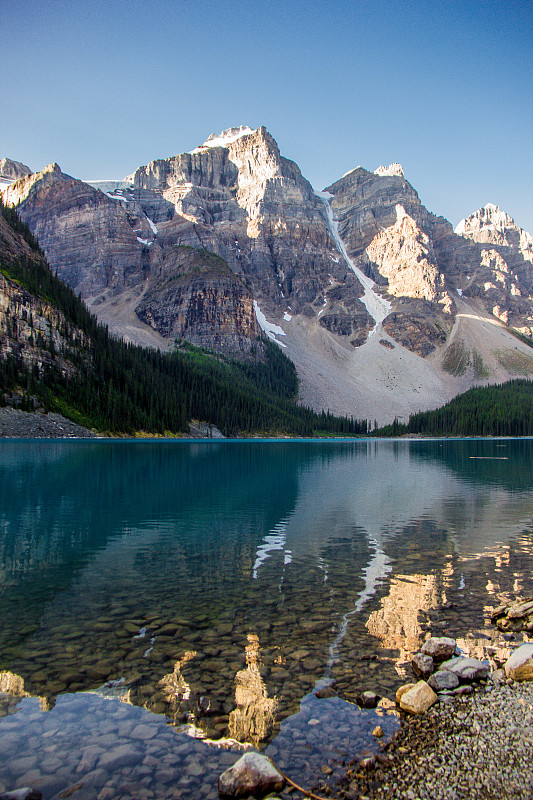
(223,139)
(12,170)
(393,169)
(491,225)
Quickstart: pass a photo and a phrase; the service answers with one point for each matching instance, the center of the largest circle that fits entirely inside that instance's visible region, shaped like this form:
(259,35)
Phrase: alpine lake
(166,604)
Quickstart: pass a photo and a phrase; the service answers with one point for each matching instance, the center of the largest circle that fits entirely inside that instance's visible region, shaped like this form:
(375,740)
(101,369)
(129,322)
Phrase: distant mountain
(383,308)
(489,225)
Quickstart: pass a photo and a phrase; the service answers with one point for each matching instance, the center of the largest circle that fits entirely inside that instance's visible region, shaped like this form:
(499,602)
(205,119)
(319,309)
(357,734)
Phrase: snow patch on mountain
(269,328)
(393,169)
(223,139)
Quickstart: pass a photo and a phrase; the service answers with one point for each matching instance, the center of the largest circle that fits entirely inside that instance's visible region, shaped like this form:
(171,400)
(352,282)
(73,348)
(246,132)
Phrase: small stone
(251,774)
(326,770)
(462,690)
(368,763)
(418,699)
(439,647)
(442,680)
(378,732)
(422,665)
(327,691)
(368,699)
(519,666)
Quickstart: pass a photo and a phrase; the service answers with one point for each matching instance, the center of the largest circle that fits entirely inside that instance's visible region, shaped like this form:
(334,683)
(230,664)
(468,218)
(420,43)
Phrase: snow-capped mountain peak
(393,169)
(223,139)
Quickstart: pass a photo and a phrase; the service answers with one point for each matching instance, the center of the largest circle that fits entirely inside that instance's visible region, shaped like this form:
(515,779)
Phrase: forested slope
(71,364)
(502,410)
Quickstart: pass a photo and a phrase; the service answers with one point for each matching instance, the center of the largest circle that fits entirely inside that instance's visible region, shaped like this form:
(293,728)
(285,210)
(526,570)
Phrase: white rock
(252,774)
(519,666)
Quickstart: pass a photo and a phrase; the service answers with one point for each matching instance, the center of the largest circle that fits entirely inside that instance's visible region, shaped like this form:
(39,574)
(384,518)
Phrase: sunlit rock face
(254,208)
(395,240)
(490,225)
(12,170)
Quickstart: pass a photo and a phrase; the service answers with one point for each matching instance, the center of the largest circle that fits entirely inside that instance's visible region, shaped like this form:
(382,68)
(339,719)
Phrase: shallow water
(164,604)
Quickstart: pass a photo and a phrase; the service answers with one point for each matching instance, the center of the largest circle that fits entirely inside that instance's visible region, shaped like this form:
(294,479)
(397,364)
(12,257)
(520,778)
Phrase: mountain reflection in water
(222,582)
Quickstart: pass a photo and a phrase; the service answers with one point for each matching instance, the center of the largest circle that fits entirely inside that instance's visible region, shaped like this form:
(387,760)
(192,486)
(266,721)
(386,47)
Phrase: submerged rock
(253,774)
(27,793)
(368,699)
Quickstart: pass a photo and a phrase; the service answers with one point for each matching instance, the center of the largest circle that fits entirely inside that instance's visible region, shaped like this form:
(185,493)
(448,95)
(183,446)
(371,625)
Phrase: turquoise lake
(165,604)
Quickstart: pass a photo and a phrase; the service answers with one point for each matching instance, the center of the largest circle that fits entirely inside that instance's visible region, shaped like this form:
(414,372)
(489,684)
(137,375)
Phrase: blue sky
(445,88)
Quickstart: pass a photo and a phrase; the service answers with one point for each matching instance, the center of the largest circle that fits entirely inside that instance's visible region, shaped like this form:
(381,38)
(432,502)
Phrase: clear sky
(445,88)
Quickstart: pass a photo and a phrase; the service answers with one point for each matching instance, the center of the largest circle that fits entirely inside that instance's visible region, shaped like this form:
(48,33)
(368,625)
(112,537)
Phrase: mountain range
(384,309)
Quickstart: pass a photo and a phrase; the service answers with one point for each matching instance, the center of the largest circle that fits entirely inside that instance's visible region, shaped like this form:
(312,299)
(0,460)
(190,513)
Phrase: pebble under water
(166,605)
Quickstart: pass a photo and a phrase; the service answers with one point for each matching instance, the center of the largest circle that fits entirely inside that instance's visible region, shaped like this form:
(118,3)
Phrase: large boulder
(519,666)
(253,774)
(439,648)
(466,669)
(418,699)
(443,680)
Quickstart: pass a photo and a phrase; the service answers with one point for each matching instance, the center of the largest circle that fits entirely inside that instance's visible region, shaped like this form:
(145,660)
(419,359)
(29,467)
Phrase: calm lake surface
(165,603)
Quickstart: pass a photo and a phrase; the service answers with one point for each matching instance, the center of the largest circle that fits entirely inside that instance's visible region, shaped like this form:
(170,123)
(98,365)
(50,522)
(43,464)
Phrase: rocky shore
(16,424)
(467,734)
(478,746)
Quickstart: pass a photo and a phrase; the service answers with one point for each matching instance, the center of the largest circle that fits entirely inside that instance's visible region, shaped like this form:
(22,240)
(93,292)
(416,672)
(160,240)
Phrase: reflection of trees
(253,718)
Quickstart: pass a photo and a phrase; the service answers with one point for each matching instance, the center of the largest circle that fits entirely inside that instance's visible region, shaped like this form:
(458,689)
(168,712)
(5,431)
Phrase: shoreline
(479,746)
(17,424)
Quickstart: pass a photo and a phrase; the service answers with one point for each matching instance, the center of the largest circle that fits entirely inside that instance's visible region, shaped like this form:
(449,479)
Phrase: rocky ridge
(237,197)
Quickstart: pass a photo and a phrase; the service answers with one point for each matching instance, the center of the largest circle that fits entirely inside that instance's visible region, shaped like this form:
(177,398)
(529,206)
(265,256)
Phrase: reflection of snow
(275,540)
(377,568)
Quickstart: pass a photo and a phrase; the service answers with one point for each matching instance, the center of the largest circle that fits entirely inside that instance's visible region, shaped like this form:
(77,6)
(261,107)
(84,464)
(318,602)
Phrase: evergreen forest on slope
(124,388)
(504,409)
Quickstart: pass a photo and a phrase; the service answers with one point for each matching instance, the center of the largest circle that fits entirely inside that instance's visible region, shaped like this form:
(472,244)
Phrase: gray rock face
(86,236)
(253,774)
(195,296)
(12,170)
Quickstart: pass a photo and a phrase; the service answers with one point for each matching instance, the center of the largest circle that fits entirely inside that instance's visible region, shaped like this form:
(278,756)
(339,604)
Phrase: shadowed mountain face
(318,267)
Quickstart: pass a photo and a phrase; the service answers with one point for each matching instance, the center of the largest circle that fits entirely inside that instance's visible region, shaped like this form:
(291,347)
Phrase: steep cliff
(33,332)
(194,295)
